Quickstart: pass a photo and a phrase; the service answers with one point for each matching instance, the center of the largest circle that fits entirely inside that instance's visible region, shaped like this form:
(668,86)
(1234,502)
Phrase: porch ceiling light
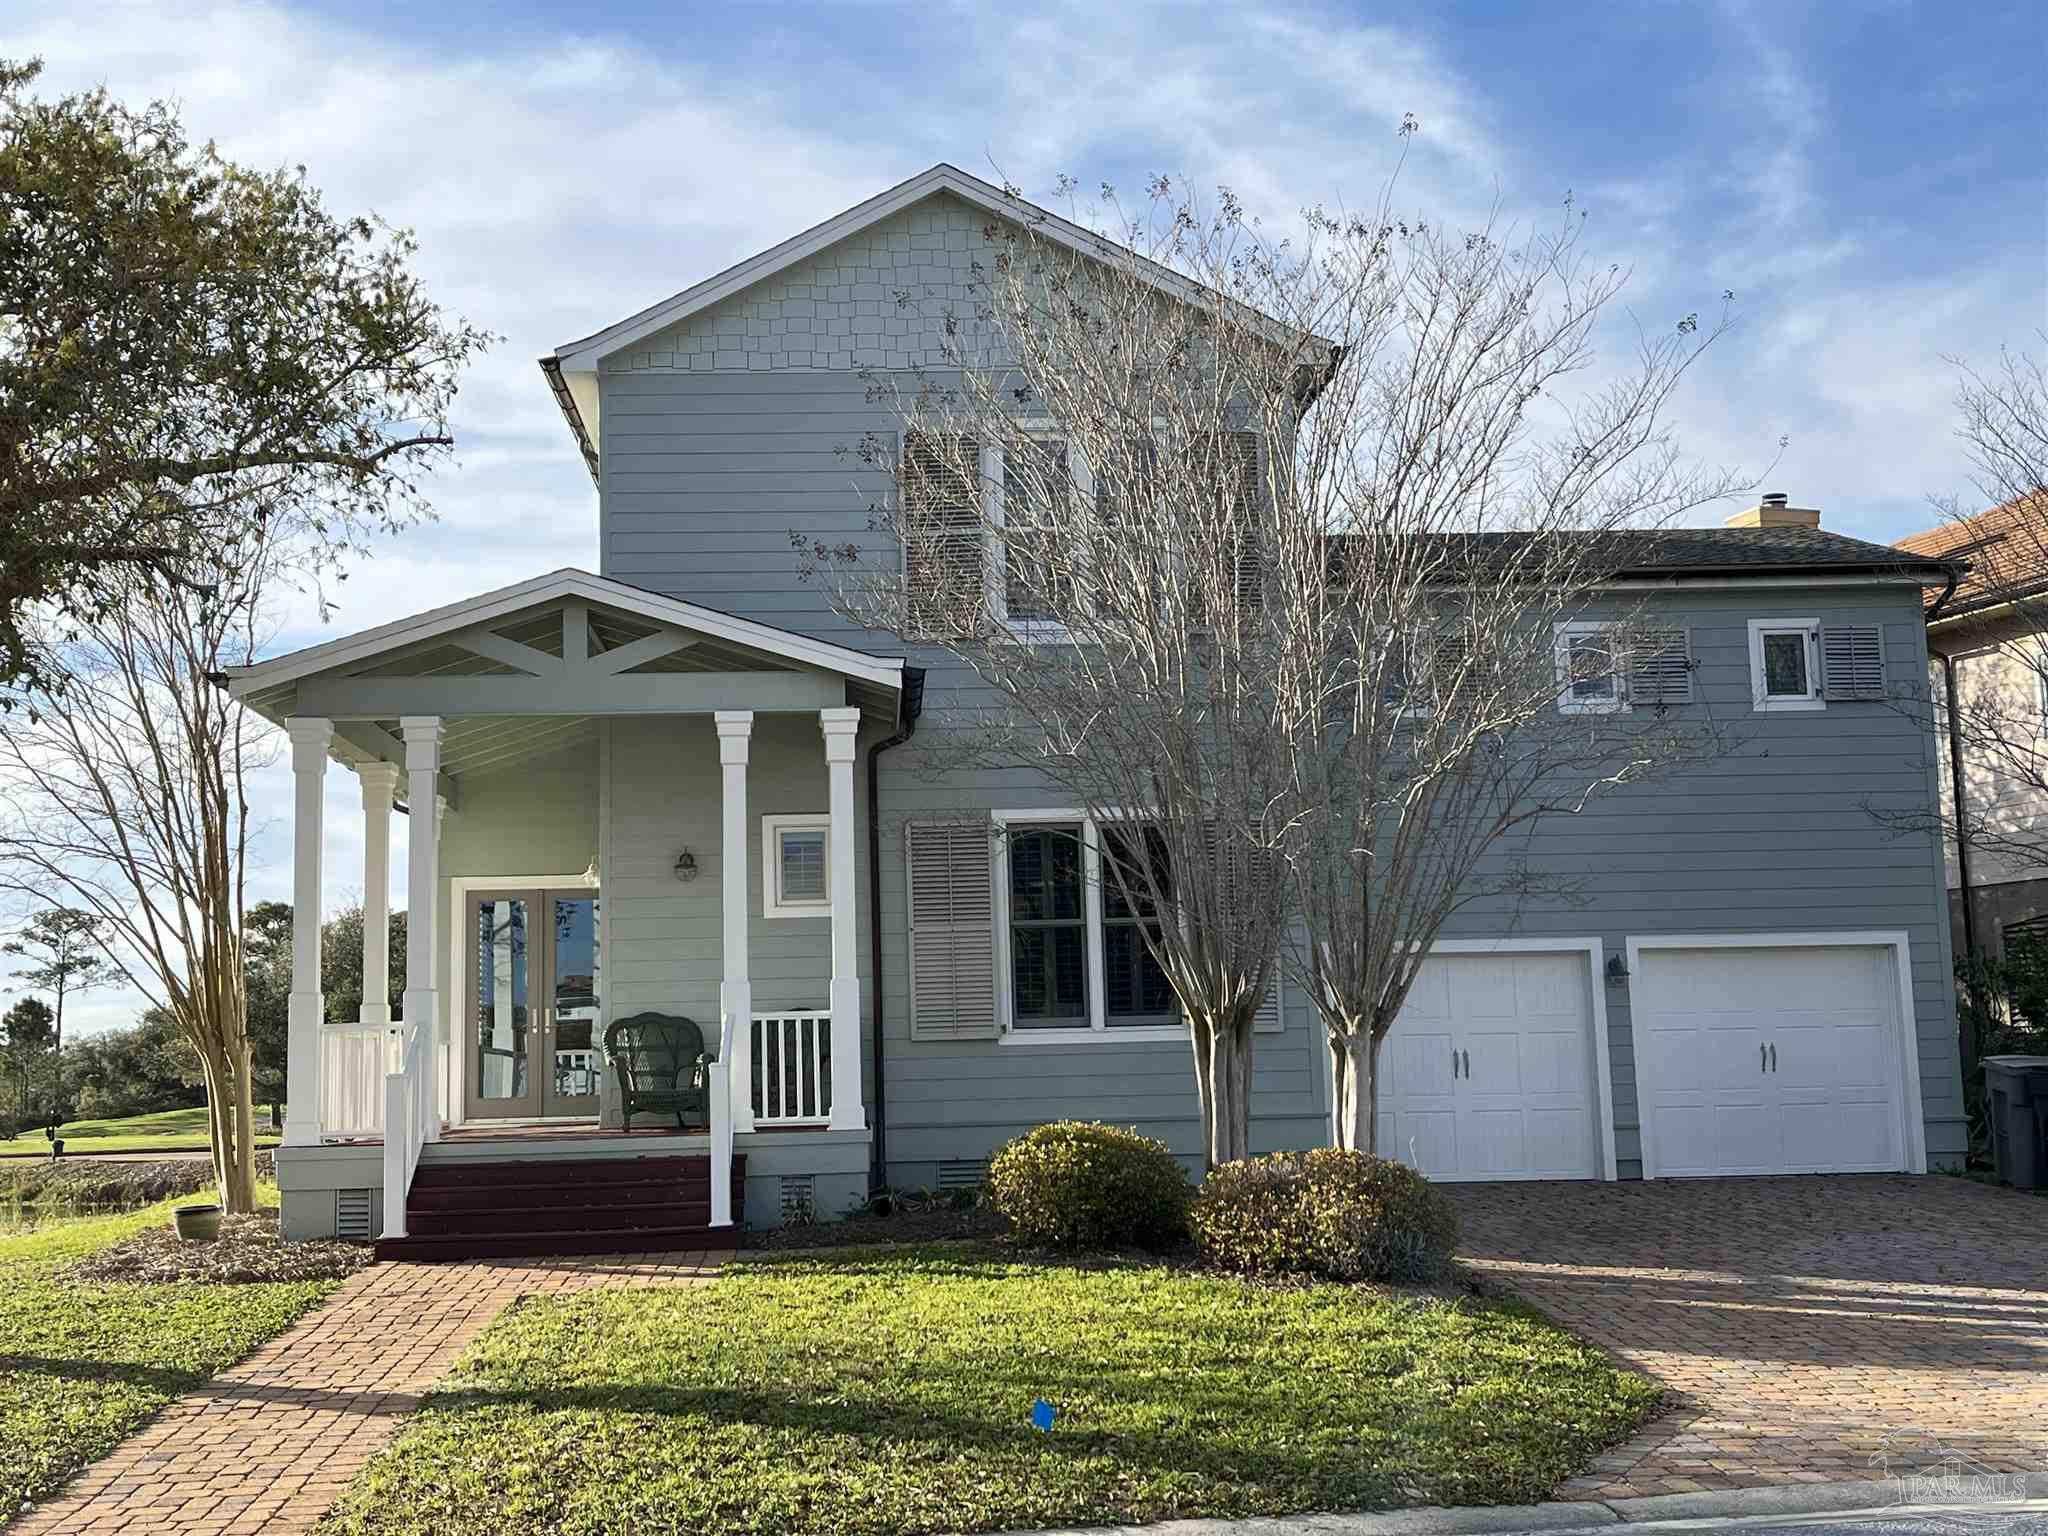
(686,865)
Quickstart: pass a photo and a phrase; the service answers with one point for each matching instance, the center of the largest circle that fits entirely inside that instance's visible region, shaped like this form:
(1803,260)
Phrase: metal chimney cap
(1776,499)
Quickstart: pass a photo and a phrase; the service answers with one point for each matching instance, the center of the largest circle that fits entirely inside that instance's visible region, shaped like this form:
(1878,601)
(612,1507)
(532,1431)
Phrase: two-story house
(677,785)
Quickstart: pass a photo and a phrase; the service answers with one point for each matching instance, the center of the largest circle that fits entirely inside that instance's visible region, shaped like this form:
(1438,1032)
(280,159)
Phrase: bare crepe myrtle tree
(1082,508)
(124,793)
(1468,662)
(1184,504)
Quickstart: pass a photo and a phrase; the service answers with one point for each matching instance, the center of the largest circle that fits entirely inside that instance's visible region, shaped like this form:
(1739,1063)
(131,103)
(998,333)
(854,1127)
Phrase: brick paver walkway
(269,1444)
(1812,1329)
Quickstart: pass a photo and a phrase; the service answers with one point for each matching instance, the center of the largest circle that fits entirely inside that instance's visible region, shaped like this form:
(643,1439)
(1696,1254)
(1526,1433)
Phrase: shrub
(1337,1214)
(1073,1185)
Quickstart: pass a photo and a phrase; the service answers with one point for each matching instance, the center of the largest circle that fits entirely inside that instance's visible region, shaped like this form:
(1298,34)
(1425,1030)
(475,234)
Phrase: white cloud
(560,182)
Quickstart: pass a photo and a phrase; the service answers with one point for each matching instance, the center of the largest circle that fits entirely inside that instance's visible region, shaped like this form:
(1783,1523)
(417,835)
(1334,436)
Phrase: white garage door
(1489,1071)
(1769,1060)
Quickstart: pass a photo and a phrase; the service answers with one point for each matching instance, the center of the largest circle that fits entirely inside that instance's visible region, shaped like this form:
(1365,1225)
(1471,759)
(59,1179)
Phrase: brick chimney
(1773,512)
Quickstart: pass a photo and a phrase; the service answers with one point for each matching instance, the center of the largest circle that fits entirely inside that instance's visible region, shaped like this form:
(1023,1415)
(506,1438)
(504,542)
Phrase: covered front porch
(570,755)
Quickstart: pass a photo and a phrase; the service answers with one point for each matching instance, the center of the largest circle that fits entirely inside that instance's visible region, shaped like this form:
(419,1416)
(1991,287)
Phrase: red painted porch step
(475,1208)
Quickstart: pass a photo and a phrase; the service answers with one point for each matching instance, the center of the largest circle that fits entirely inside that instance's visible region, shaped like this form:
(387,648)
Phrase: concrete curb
(1783,1501)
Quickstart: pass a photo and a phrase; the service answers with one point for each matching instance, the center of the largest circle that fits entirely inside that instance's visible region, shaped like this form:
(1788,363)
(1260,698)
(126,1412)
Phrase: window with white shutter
(1852,661)
(1785,665)
(1230,460)
(1660,667)
(945,544)
(949,870)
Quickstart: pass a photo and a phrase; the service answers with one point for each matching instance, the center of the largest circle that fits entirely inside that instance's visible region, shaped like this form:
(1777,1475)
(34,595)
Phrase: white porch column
(304,1010)
(423,885)
(732,1083)
(379,783)
(840,727)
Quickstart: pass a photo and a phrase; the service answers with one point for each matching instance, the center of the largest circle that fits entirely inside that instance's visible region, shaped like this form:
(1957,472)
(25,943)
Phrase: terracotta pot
(197,1223)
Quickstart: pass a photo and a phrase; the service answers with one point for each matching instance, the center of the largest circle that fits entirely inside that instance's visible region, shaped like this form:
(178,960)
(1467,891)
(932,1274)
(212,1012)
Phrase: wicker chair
(662,1067)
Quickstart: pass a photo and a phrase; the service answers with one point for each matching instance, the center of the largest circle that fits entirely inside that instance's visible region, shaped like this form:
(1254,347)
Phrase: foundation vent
(962,1175)
(799,1199)
(352,1213)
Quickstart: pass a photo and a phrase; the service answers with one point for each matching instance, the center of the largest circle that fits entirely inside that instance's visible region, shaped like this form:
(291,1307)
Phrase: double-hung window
(1784,664)
(1073,962)
(1048,928)
(1135,989)
(1043,483)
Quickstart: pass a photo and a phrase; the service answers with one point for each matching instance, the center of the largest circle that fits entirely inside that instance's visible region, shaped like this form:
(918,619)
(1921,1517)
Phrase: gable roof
(401,634)
(582,356)
(585,352)
(2006,547)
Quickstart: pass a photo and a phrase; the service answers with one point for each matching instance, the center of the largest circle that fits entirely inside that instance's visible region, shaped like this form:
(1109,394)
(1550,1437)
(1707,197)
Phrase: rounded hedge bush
(1075,1185)
(1331,1213)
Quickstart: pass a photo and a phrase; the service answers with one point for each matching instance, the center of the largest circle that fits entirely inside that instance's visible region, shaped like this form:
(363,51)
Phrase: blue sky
(1871,179)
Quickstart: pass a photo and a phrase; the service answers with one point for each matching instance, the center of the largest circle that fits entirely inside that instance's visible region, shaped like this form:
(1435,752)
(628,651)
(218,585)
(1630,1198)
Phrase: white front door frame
(1596,966)
(1912,1116)
(455,1056)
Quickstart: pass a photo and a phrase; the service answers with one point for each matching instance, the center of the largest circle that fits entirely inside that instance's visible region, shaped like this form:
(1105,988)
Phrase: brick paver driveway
(267,1445)
(1811,1329)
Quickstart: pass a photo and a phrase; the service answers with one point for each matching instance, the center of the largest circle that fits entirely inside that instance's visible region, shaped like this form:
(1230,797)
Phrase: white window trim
(1562,634)
(1765,704)
(1081,478)
(1099,1031)
(772,828)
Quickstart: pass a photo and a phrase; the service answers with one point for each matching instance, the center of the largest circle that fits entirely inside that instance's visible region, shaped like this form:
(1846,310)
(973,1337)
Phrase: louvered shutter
(1450,661)
(1660,667)
(1270,1019)
(952,931)
(944,548)
(1852,661)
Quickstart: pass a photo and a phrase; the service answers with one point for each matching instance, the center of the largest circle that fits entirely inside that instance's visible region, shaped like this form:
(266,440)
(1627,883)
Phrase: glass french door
(532,1049)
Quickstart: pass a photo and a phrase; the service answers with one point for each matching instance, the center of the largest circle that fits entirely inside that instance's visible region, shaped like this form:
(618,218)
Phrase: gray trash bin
(2016,1102)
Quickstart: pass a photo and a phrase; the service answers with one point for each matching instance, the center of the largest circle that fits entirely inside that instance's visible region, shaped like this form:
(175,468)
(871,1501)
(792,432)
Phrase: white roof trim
(884,672)
(583,355)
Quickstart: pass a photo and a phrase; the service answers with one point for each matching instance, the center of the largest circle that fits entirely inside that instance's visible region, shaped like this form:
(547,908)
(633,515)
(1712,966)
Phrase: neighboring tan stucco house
(1989,643)
(691,772)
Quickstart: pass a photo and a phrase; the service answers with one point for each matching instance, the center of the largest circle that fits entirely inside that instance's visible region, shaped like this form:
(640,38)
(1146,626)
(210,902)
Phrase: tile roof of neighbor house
(2006,547)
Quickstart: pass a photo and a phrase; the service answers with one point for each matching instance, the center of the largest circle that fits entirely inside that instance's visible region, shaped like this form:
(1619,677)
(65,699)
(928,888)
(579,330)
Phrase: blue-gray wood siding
(710,475)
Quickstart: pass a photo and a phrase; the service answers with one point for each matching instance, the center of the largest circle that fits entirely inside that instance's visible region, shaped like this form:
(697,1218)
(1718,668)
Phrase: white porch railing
(353,1061)
(408,1104)
(790,1064)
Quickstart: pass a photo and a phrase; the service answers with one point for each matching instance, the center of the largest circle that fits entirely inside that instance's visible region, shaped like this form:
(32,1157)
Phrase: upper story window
(1588,670)
(960,496)
(1785,664)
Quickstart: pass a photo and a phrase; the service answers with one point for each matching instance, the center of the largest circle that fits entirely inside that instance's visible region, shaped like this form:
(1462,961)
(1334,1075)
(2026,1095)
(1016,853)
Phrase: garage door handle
(1774,1055)
(1454,1061)
(1763,1057)
(1468,1065)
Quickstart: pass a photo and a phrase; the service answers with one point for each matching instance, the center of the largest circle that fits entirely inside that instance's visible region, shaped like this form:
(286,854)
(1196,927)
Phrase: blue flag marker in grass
(1042,1415)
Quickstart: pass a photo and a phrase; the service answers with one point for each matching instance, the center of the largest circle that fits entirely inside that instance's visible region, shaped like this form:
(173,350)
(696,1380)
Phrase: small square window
(1588,671)
(1784,664)
(796,866)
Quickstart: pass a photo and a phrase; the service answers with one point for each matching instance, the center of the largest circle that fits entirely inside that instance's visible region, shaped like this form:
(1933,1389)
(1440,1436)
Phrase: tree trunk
(1353,1057)
(1223,1085)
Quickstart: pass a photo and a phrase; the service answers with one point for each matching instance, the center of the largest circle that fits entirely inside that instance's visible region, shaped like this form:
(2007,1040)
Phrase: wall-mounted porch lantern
(686,866)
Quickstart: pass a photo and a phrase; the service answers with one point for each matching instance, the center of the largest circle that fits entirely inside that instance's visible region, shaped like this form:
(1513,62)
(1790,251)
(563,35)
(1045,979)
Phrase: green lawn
(172,1130)
(891,1391)
(83,1365)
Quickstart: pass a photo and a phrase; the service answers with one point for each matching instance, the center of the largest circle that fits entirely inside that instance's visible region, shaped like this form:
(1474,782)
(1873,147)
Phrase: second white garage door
(1783,1059)
(1489,1072)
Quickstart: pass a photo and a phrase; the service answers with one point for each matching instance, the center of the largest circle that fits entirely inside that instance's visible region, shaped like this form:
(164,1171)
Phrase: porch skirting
(336,1190)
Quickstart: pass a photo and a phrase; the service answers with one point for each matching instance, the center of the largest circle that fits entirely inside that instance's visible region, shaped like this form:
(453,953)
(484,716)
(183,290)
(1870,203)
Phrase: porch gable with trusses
(531,668)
